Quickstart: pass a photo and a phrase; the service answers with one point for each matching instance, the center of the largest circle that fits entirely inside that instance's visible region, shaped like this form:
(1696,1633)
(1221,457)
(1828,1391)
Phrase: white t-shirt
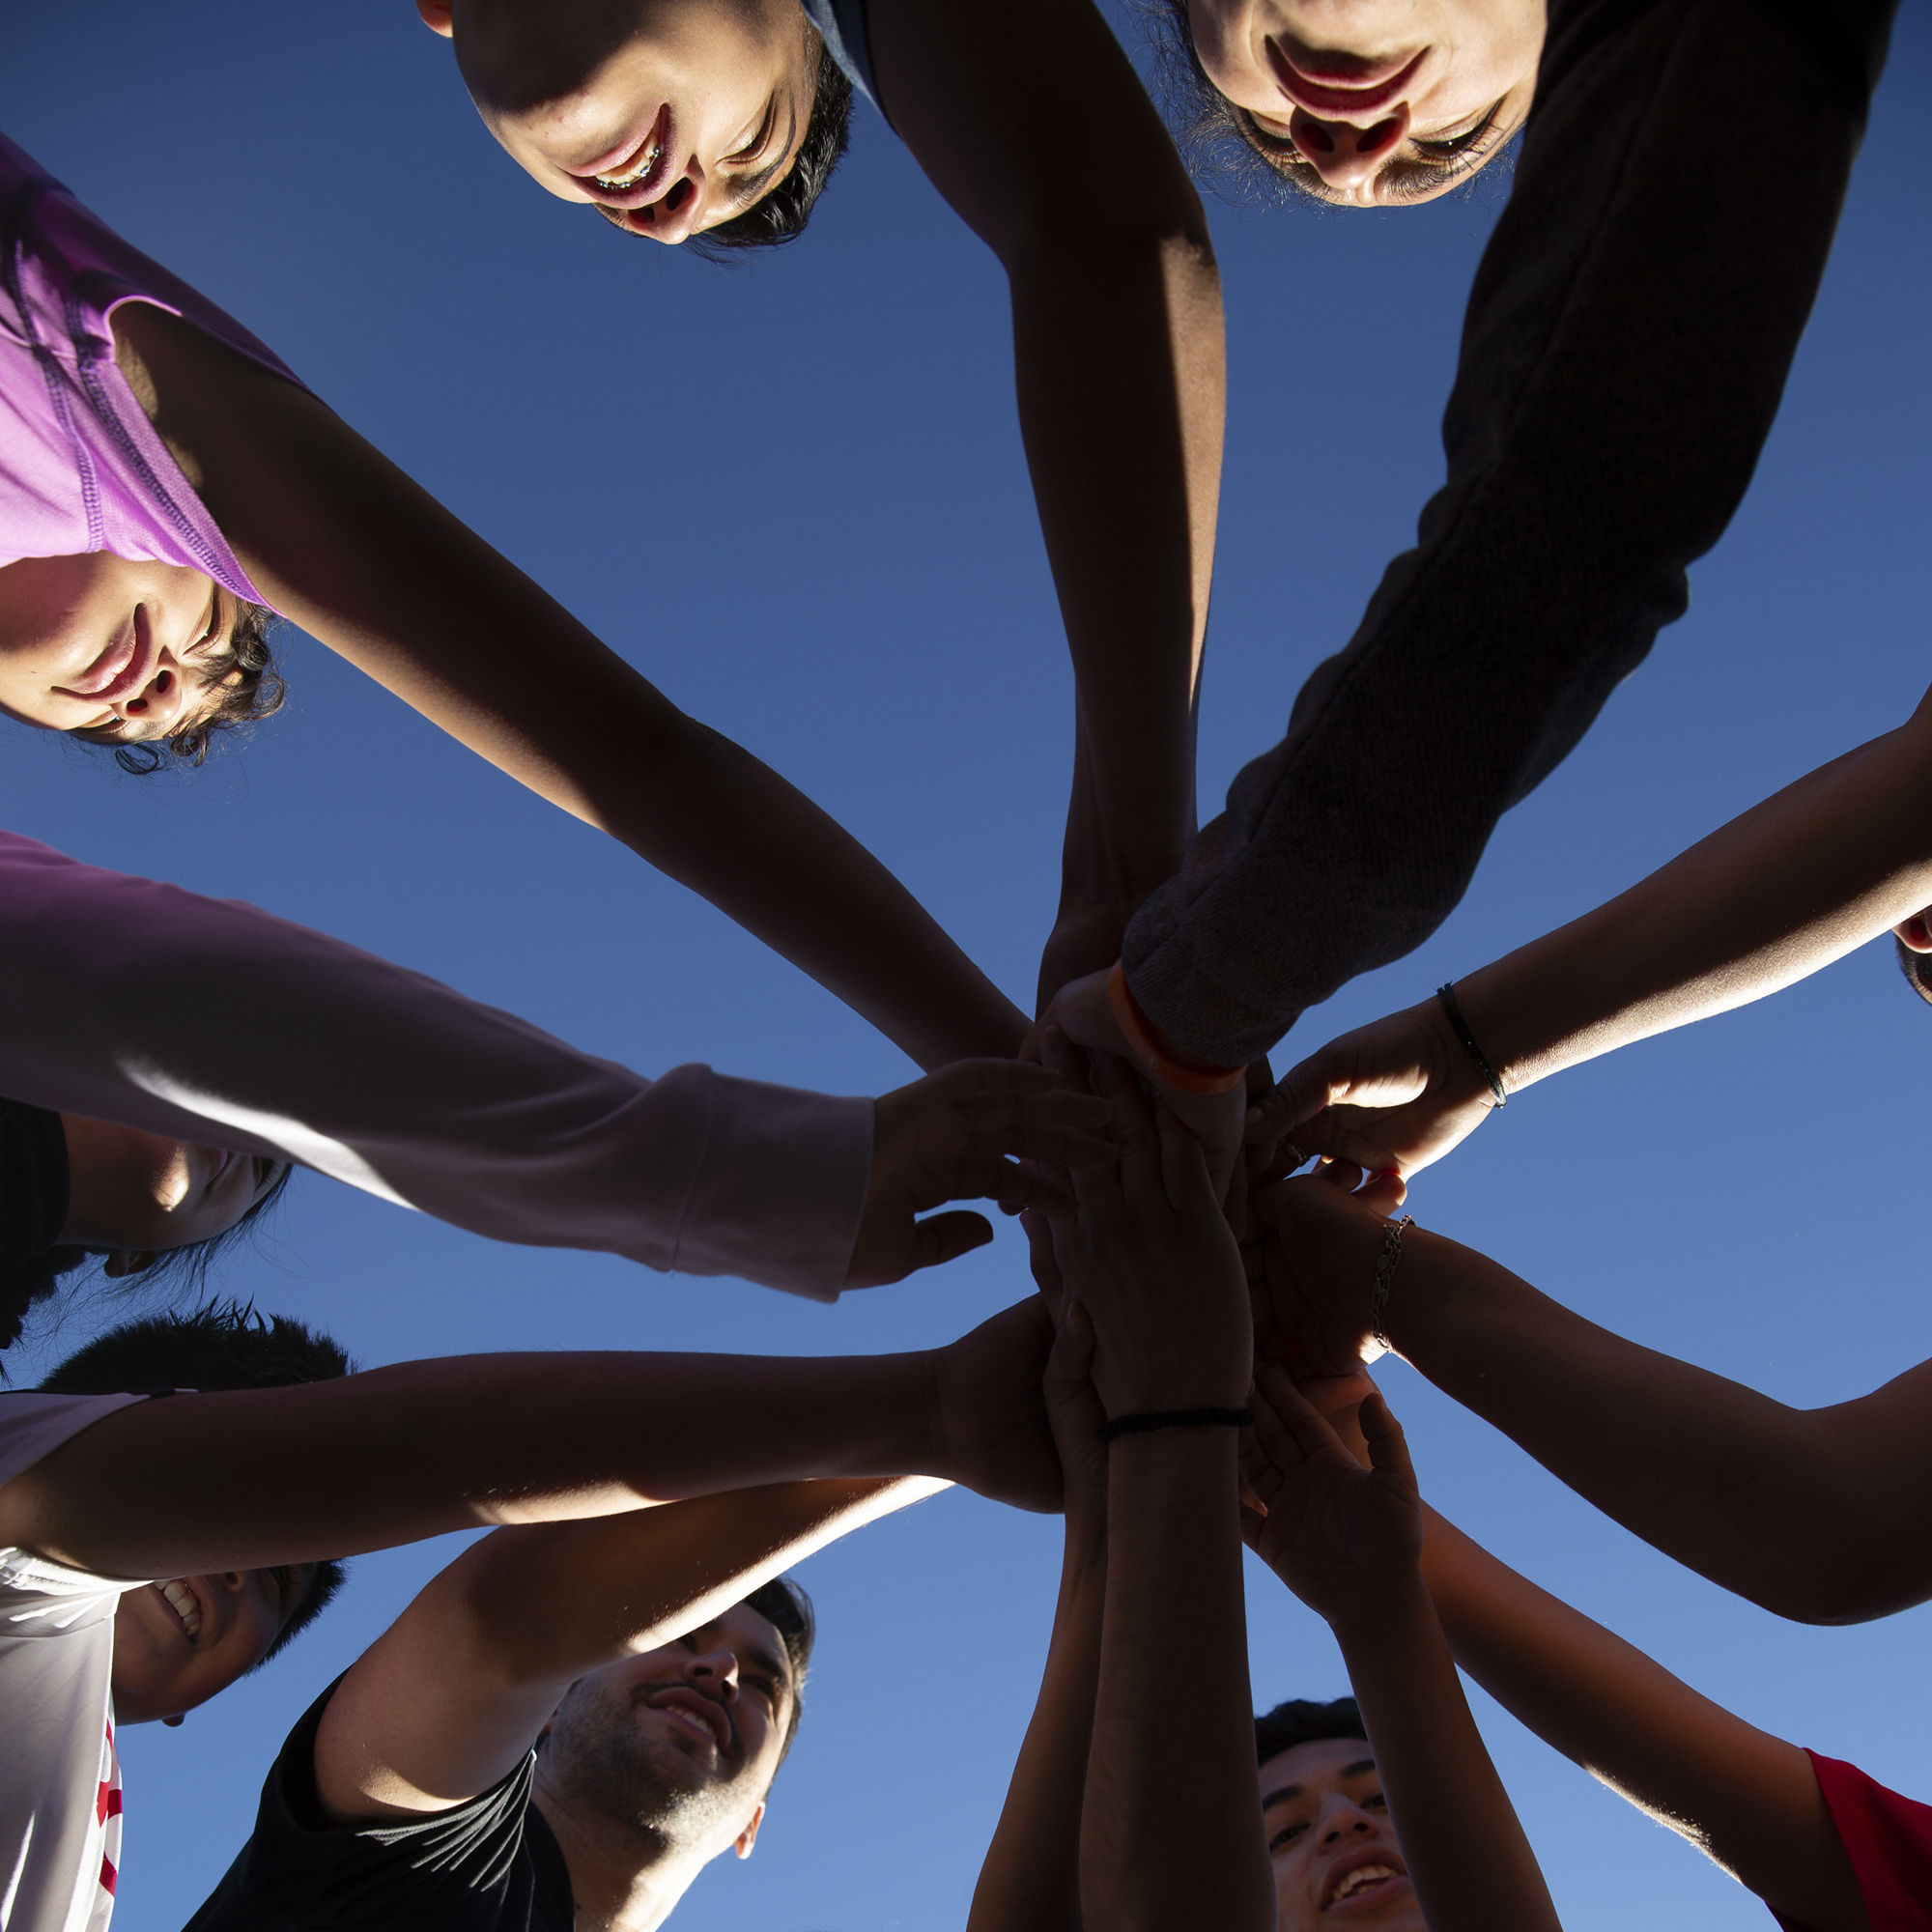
(60,1779)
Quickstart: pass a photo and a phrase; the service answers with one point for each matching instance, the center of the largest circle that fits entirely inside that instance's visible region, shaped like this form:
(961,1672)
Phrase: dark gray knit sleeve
(1626,348)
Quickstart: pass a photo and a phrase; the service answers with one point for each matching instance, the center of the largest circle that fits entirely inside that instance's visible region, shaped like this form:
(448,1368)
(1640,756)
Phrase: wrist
(1395,1613)
(1167,1066)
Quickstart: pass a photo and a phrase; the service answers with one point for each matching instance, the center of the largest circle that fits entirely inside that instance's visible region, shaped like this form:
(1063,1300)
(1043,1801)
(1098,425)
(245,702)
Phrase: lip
(1365,90)
(122,668)
(647,188)
(1362,1901)
(706,1711)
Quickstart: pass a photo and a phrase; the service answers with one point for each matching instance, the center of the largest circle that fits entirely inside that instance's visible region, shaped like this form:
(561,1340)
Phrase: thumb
(1072,1360)
(944,1238)
(1388,1447)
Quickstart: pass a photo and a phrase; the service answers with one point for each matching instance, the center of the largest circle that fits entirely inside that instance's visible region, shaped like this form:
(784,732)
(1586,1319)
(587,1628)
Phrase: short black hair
(785,1606)
(1917,968)
(780,216)
(247,687)
(1302,1720)
(1221,144)
(220,1345)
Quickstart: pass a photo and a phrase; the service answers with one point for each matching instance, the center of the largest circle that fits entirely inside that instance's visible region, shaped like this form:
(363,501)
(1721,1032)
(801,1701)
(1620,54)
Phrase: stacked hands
(1157,1308)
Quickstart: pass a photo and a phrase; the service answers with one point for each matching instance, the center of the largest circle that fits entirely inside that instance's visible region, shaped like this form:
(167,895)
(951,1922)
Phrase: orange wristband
(1141,1037)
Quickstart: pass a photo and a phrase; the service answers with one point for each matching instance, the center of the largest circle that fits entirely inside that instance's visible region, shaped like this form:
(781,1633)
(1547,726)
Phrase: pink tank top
(81,468)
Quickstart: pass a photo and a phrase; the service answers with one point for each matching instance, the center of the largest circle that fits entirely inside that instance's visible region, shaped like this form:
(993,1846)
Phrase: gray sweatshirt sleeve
(210,1021)
(1624,351)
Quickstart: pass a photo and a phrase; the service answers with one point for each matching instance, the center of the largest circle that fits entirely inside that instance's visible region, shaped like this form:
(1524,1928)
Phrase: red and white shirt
(59,1779)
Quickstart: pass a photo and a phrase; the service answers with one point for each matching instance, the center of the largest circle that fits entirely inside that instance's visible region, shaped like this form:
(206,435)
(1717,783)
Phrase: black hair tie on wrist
(1446,993)
(1176,1419)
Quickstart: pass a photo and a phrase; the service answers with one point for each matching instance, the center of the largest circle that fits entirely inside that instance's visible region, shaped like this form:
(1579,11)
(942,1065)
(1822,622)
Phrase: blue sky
(841,569)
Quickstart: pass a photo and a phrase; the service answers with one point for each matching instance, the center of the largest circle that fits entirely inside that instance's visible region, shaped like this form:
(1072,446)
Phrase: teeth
(648,161)
(181,1602)
(1362,1876)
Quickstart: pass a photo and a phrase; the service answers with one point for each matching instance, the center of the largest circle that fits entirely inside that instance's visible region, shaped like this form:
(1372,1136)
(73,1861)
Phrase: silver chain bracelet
(1385,1268)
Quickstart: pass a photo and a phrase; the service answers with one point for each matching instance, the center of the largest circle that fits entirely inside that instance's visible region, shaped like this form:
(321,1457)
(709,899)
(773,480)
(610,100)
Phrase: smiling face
(139,1194)
(109,649)
(178,1643)
(1372,102)
(1336,1862)
(676,1746)
(669,116)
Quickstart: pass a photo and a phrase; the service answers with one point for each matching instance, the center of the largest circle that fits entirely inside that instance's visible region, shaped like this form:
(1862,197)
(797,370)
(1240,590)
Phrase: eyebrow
(752,186)
(761,1659)
(1289,1791)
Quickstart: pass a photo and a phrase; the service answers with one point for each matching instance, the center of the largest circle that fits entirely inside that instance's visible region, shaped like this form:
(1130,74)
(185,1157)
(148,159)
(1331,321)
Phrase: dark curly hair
(1302,1720)
(1224,148)
(246,686)
(779,217)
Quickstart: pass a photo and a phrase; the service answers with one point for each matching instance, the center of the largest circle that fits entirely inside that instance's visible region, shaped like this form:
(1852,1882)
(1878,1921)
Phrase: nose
(715,1672)
(1345,155)
(158,704)
(675,213)
(1343,1818)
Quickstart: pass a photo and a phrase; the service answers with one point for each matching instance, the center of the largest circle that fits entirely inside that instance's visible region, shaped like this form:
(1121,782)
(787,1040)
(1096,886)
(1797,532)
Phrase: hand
(1151,1257)
(1086,939)
(1076,1412)
(1083,1015)
(945,1138)
(1342,1537)
(1390,1097)
(990,1424)
(1312,1272)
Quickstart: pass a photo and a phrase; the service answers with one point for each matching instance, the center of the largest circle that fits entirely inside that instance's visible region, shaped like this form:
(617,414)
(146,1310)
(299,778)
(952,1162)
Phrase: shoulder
(485,1865)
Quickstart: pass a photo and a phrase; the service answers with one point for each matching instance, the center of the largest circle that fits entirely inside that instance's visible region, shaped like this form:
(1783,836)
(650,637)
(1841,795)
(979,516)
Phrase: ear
(1915,934)
(435,16)
(749,1837)
(138,1261)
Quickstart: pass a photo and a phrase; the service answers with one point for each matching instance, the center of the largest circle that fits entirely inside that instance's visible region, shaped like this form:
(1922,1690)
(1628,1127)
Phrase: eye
(764,134)
(1455,147)
(1287,1835)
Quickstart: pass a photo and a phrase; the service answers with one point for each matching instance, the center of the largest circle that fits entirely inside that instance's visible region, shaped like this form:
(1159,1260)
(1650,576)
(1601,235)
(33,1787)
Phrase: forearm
(1031,1879)
(1443,1793)
(1792,885)
(350,548)
(1755,1495)
(1171,1828)
(1748,1799)
(241,1481)
(1121,368)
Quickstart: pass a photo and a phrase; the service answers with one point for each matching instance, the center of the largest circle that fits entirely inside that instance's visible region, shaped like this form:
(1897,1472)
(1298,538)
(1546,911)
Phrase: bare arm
(1346,1539)
(1768,899)
(1031,1879)
(241,1481)
(1747,1799)
(453,1694)
(1030,120)
(363,559)
(1773,1502)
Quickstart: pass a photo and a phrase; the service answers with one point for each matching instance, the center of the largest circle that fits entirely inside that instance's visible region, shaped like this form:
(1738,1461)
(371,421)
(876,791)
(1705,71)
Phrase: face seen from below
(177,1643)
(107,648)
(1373,103)
(669,116)
(1336,1862)
(139,1195)
(675,1746)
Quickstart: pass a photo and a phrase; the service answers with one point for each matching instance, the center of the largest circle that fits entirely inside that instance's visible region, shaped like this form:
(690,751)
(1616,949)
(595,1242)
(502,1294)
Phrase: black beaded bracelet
(1446,993)
(1176,1419)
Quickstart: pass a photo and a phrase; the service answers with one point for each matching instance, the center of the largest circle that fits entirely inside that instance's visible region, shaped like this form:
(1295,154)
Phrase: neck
(623,1878)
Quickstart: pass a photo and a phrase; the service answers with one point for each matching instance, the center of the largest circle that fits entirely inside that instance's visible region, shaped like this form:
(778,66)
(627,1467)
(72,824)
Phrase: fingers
(1043,1262)
(1071,1362)
(1389,1446)
(1383,1192)
(1001,1180)
(1304,1432)
(1184,1165)
(1136,1135)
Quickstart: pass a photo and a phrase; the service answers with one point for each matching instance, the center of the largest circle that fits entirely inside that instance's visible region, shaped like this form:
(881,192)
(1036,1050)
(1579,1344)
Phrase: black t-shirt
(490,1866)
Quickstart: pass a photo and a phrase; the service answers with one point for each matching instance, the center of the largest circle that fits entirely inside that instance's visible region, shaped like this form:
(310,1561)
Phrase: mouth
(122,668)
(1335,85)
(185,1605)
(701,1717)
(1365,1880)
(634,175)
